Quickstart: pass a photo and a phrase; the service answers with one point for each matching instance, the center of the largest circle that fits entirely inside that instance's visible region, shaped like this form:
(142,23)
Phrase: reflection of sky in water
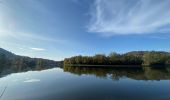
(32,80)
(54,84)
(30,76)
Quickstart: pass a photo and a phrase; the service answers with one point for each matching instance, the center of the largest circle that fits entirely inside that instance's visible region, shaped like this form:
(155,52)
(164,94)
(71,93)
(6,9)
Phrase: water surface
(74,83)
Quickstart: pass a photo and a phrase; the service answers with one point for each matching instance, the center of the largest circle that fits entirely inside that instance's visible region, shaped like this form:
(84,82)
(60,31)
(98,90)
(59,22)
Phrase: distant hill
(8,59)
(7,53)
(141,53)
(12,63)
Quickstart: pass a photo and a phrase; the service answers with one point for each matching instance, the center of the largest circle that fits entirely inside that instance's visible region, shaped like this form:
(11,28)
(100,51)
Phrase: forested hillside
(7,59)
(130,58)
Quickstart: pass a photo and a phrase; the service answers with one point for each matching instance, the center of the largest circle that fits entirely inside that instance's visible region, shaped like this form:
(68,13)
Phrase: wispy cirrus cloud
(37,49)
(110,17)
(32,80)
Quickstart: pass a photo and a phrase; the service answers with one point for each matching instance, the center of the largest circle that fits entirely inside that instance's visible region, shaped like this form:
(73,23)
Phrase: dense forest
(147,58)
(9,59)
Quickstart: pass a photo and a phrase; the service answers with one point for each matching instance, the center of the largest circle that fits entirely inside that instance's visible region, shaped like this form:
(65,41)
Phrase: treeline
(25,62)
(14,64)
(130,58)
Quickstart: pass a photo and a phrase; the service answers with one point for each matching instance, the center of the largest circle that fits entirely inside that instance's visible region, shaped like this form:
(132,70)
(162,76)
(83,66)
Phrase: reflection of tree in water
(128,72)
(145,73)
(5,70)
(157,73)
(99,72)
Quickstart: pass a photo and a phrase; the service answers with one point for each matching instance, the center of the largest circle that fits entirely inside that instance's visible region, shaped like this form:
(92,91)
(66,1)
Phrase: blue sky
(55,29)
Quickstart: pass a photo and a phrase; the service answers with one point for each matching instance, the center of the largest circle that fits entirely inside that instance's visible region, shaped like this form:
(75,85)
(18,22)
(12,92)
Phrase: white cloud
(32,80)
(110,17)
(37,49)
(29,37)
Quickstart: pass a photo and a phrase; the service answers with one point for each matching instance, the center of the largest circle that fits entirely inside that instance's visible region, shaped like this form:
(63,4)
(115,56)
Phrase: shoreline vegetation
(10,59)
(130,59)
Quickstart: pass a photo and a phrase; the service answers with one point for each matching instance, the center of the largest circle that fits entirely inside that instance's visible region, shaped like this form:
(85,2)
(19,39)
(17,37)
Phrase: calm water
(73,83)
